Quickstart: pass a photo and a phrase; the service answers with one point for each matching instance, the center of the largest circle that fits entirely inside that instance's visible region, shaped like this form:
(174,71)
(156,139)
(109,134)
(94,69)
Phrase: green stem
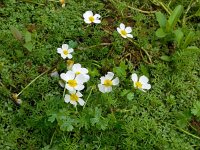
(88,97)
(188,133)
(142,11)
(32,82)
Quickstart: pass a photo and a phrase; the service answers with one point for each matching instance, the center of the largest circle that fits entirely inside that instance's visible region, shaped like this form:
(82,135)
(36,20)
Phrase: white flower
(65,51)
(142,83)
(90,18)
(107,82)
(73,81)
(77,69)
(125,31)
(74,97)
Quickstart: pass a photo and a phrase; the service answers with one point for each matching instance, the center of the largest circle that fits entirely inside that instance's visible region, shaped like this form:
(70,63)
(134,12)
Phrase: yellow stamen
(108,82)
(65,52)
(91,18)
(123,32)
(74,97)
(72,83)
(77,73)
(138,84)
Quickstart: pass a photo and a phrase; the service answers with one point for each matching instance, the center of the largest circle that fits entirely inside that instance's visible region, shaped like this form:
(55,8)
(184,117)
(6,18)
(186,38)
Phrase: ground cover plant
(104,74)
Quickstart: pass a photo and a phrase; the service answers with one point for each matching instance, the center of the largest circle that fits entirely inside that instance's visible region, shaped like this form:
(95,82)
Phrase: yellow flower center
(65,52)
(77,73)
(138,84)
(72,83)
(123,32)
(74,97)
(91,18)
(107,82)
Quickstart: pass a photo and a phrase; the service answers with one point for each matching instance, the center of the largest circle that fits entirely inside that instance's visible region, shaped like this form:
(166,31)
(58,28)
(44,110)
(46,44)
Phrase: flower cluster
(73,80)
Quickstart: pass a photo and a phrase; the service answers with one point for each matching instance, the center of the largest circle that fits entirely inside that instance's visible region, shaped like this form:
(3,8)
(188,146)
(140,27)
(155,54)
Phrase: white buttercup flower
(107,82)
(77,69)
(125,31)
(90,18)
(74,97)
(142,83)
(73,81)
(65,51)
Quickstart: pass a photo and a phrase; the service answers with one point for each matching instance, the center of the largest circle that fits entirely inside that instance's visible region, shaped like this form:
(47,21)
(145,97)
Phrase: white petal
(97,16)
(70,75)
(143,79)
(64,76)
(63,56)
(97,21)
(67,98)
(119,30)
(87,77)
(69,56)
(79,94)
(128,29)
(115,81)
(109,75)
(83,70)
(108,89)
(102,80)
(65,46)
(146,86)
(122,26)
(72,91)
(101,88)
(70,50)
(73,103)
(68,87)
(81,101)
(79,87)
(80,78)
(59,50)
(87,14)
(76,67)
(134,77)
(87,21)
(124,36)
(129,35)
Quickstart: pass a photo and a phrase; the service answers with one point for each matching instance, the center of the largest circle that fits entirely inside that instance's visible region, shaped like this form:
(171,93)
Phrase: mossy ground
(123,119)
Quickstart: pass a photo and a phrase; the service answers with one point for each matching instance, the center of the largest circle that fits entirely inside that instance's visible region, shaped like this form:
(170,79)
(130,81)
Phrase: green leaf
(196,109)
(124,92)
(178,36)
(130,96)
(165,58)
(174,17)
(52,118)
(27,37)
(198,13)
(160,33)
(189,39)
(161,18)
(121,70)
(73,44)
(192,48)
(28,46)
(16,33)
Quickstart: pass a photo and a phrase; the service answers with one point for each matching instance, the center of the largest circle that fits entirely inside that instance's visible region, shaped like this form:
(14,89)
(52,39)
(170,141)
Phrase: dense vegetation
(166,37)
